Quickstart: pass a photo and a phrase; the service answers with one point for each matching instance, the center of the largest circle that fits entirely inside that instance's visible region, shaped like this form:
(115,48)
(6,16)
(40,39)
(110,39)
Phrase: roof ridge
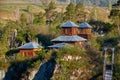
(69,24)
(69,38)
(84,25)
(30,45)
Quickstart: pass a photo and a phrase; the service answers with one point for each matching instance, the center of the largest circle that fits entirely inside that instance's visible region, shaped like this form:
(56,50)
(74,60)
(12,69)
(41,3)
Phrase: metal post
(113,49)
(105,49)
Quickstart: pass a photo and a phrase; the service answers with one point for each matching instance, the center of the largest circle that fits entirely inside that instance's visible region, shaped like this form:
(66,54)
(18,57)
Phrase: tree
(23,19)
(39,19)
(115,15)
(50,8)
(70,12)
(80,13)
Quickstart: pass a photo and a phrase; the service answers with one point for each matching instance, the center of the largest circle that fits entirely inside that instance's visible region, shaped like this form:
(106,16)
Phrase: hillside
(59,41)
(8,11)
(102,3)
(92,2)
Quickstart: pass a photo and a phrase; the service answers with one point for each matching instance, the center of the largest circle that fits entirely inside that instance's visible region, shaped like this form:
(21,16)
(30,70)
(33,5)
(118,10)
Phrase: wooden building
(30,49)
(69,35)
(84,30)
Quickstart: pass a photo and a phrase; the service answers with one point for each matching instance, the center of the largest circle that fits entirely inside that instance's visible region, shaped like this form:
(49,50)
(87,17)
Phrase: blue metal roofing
(59,45)
(85,25)
(69,38)
(69,24)
(30,45)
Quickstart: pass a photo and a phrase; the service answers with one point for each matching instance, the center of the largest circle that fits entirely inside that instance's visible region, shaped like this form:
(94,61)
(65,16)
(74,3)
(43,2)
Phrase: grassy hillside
(8,9)
(43,22)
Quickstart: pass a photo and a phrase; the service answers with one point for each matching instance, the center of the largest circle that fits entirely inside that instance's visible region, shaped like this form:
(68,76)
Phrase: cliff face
(46,70)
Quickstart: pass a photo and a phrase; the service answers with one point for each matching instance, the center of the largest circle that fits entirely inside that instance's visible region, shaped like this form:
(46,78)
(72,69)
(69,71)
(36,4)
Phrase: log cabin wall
(29,52)
(84,32)
(69,31)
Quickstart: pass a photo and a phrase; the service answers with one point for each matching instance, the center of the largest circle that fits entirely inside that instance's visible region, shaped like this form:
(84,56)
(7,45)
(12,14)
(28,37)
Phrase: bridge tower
(108,67)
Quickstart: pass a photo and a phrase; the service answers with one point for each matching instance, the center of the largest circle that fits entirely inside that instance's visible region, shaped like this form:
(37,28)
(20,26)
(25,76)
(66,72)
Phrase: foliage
(70,12)
(51,6)
(49,9)
(99,26)
(106,41)
(41,53)
(115,15)
(44,39)
(117,64)
(69,68)
(28,31)
(71,50)
(39,19)
(80,13)
(23,19)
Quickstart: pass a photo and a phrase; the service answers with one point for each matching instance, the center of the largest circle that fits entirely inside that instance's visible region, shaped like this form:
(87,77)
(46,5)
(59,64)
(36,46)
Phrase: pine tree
(51,6)
(49,9)
(23,19)
(39,19)
(79,10)
(70,12)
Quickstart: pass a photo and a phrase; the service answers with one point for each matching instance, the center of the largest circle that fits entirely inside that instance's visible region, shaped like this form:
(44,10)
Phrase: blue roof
(30,45)
(85,25)
(69,24)
(59,45)
(69,38)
